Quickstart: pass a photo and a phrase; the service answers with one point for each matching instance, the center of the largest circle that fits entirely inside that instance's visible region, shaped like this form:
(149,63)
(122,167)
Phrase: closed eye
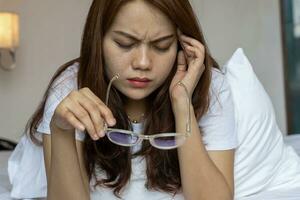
(162,49)
(129,46)
(125,46)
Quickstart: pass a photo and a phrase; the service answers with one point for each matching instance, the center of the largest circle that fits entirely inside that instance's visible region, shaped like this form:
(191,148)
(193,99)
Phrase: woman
(150,60)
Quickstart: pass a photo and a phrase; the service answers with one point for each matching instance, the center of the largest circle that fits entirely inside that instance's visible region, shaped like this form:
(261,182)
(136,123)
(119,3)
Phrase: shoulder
(59,89)
(66,81)
(218,80)
(218,124)
(67,77)
(219,91)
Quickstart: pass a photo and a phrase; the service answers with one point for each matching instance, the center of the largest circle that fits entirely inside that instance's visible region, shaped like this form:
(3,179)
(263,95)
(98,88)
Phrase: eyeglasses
(163,141)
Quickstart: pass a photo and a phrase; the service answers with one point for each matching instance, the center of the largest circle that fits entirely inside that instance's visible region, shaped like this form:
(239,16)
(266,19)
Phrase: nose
(142,59)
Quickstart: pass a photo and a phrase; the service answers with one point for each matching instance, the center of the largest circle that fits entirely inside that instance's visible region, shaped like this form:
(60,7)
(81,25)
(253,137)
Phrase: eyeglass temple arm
(108,88)
(108,92)
(188,123)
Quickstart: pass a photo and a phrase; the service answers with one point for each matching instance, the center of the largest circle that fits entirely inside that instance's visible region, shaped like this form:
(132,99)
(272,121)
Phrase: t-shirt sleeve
(218,125)
(57,92)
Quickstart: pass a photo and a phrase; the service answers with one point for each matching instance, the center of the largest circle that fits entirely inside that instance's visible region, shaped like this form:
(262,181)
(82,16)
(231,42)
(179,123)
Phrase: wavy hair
(162,171)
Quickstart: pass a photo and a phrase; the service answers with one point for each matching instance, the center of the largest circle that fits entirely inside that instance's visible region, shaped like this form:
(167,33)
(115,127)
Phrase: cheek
(112,61)
(111,67)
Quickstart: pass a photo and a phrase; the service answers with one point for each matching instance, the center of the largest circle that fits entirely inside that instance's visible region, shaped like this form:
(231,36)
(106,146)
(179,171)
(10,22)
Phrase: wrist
(181,107)
(62,135)
(55,128)
(180,102)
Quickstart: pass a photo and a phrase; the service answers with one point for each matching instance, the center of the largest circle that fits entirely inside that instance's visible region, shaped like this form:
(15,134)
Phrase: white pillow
(262,161)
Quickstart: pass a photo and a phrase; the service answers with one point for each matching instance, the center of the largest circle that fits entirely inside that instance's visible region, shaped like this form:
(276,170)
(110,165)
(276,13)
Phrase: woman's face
(140,46)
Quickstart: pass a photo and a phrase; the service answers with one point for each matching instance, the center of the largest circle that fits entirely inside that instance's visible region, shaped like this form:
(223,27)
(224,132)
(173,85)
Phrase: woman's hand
(83,110)
(193,56)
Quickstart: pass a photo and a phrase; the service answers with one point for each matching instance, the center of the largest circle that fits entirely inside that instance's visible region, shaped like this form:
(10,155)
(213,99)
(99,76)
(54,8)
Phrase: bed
(4,181)
(293,140)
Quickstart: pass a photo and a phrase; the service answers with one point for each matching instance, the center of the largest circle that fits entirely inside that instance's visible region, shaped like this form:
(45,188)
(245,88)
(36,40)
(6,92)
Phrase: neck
(135,109)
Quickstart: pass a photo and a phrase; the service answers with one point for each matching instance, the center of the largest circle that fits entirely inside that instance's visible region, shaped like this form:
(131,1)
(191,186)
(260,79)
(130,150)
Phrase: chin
(136,94)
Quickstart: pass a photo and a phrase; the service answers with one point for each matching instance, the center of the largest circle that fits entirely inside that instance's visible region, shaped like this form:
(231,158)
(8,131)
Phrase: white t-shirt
(218,123)
(218,130)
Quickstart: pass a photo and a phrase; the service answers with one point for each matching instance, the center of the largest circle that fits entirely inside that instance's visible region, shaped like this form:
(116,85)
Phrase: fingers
(83,110)
(195,52)
(192,47)
(104,110)
(97,110)
(86,113)
(181,62)
(71,119)
(193,42)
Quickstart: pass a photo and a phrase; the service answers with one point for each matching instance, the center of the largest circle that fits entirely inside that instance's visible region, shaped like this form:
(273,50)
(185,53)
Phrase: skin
(201,175)
(143,58)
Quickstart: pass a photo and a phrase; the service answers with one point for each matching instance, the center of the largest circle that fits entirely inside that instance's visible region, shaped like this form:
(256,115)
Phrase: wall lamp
(9,39)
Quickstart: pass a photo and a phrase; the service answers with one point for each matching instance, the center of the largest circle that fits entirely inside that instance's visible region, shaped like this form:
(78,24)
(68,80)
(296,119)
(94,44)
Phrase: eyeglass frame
(151,138)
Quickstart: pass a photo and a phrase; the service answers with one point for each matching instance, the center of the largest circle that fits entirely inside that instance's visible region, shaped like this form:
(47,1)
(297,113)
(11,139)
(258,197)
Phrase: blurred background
(50,34)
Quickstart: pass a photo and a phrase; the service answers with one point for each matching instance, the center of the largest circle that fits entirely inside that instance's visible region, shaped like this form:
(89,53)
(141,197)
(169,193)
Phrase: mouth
(139,82)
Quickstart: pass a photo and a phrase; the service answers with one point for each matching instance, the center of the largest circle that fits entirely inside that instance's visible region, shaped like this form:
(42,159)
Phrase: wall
(51,32)
(255,26)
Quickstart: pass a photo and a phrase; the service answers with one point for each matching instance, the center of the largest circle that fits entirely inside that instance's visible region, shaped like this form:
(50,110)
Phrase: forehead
(143,19)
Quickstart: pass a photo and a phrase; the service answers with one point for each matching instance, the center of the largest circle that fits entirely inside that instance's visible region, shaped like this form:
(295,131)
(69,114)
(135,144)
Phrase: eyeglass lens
(160,142)
(122,138)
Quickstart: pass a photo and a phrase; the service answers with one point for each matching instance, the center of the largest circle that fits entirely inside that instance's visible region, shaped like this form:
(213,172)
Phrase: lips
(139,79)
(139,82)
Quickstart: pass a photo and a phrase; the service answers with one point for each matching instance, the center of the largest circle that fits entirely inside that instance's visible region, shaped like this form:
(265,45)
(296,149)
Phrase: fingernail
(112,122)
(81,128)
(101,134)
(96,137)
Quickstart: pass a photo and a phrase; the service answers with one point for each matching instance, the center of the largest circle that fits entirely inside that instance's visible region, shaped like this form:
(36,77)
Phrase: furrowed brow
(137,39)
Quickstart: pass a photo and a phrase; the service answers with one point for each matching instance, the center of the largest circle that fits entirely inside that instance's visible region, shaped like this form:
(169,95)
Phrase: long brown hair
(162,166)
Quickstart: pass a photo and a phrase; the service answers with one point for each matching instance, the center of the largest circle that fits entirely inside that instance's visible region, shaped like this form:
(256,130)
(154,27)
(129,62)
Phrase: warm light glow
(9,30)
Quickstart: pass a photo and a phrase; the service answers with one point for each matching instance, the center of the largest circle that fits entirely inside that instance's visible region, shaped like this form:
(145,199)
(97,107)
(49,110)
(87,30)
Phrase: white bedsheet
(292,194)
(294,141)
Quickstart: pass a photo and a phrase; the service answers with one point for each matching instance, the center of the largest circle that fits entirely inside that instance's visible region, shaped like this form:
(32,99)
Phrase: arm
(47,157)
(66,176)
(204,175)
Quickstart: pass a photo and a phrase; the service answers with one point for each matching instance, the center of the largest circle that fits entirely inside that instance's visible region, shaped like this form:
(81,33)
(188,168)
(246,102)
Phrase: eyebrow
(136,39)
